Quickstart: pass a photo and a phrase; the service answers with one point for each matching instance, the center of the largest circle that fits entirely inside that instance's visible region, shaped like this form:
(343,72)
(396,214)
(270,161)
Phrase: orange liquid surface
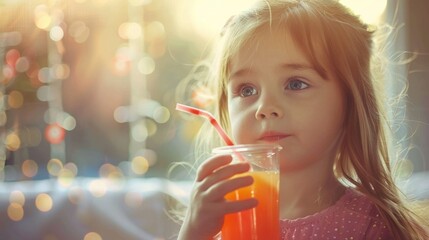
(262,222)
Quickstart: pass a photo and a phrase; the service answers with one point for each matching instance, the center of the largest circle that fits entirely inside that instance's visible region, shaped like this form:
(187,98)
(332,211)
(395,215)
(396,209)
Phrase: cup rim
(254,147)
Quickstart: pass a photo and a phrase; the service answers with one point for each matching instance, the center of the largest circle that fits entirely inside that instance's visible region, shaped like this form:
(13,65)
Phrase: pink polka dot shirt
(353,216)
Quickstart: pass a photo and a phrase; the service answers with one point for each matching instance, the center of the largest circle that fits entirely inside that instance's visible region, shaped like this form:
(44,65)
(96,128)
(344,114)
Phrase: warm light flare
(139,165)
(98,188)
(54,133)
(369,11)
(29,168)
(208,16)
(44,202)
(15,212)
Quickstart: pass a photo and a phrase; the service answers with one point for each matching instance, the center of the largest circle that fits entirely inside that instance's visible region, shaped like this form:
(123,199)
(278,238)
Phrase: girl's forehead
(282,46)
(269,44)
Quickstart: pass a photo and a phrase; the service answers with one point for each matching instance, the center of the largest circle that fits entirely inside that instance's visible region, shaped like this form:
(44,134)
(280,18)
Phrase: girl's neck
(308,192)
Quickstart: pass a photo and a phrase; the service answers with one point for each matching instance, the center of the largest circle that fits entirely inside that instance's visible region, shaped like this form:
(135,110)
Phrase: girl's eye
(246,91)
(296,85)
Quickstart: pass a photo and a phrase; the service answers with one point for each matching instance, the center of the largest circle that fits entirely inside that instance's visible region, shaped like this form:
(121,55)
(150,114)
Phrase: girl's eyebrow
(297,66)
(303,67)
(287,66)
(241,72)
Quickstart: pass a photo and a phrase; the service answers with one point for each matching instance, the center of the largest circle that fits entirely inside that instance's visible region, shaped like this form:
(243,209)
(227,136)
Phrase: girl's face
(276,96)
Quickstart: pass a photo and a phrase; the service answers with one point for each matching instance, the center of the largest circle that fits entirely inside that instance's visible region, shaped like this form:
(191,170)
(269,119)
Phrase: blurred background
(87,87)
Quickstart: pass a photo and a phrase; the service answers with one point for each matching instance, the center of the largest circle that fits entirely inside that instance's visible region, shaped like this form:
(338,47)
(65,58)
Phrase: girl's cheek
(240,127)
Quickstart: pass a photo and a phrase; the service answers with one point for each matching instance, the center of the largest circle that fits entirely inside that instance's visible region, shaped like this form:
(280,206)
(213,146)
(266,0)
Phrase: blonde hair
(335,41)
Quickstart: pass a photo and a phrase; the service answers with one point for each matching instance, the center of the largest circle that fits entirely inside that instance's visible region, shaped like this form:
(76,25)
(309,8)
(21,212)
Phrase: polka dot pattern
(352,217)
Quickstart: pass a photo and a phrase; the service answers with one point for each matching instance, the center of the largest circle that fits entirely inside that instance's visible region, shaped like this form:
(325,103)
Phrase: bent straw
(213,121)
(209,116)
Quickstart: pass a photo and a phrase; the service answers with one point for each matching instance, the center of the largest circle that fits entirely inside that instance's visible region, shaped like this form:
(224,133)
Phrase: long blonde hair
(335,41)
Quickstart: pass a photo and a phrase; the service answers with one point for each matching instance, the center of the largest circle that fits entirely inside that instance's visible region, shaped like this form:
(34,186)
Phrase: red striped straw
(209,116)
(213,121)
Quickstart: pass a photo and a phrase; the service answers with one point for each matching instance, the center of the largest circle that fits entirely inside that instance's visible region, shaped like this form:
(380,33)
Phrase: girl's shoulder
(353,216)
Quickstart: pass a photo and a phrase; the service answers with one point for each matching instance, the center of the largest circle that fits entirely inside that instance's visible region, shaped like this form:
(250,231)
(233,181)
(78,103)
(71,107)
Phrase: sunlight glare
(208,16)
(369,11)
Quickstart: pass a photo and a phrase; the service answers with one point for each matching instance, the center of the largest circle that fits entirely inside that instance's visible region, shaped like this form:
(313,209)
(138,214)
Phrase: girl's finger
(210,165)
(239,205)
(219,190)
(223,173)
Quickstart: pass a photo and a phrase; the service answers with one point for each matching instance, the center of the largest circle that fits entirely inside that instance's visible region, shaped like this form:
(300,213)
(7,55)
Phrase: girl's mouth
(273,136)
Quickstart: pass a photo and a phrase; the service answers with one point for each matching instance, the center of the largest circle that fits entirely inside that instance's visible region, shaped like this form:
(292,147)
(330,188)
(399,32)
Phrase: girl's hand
(204,217)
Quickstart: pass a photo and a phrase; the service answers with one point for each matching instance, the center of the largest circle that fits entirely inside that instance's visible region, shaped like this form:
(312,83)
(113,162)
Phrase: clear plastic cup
(261,222)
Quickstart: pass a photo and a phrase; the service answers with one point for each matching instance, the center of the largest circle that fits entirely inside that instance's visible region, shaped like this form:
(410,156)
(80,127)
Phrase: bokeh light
(139,165)
(161,114)
(29,168)
(92,236)
(54,166)
(15,99)
(202,97)
(148,154)
(146,65)
(154,31)
(60,71)
(15,212)
(110,171)
(42,19)
(97,188)
(22,64)
(79,31)
(139,132)
(151,127)
(68,122)
(54,133)
(130,30)
(13,142)
(8,73)
(122,114)
(44,75)
(44,202)
(45,93)
(60,118)
(66,177)
(12,57)
(17,197)
(71,166)
(56,34)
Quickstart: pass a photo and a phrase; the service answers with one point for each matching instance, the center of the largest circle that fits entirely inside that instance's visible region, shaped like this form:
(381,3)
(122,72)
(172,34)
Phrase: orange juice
(259,223)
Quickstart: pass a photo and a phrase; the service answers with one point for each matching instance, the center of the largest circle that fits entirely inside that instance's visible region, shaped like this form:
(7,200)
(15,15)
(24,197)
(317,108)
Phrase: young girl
(298,73)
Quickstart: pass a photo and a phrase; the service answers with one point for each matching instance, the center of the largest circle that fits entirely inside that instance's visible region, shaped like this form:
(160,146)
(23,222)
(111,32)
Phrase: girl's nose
(266,111)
